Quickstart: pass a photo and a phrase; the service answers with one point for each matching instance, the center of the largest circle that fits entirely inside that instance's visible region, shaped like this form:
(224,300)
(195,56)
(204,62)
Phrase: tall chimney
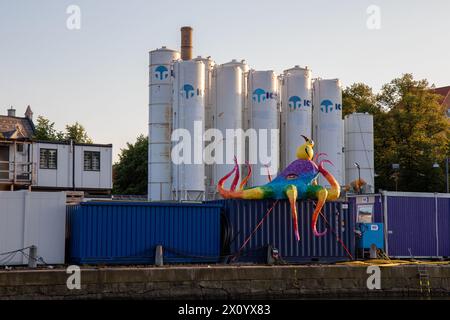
(186,43)
(11,112)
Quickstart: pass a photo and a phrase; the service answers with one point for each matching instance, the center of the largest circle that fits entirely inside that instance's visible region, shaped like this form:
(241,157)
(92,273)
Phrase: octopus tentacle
(317,156)
(268,173)
(321,198)
(252,193)
(291,193)
(249,174)
(335,191)
(236,176)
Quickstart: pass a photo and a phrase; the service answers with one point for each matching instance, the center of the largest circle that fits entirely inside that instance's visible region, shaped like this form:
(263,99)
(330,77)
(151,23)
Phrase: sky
(98,74)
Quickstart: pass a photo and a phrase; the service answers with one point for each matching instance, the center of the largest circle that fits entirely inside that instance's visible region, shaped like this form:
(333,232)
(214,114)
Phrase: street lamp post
(395,176)
(359,177)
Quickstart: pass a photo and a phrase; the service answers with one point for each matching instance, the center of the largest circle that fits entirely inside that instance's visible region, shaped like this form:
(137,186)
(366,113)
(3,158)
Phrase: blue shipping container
(128,232)
(417,224)
(242,216)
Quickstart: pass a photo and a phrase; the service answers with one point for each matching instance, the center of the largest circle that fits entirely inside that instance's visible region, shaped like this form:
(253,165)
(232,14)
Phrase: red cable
(337,237)
(254,230)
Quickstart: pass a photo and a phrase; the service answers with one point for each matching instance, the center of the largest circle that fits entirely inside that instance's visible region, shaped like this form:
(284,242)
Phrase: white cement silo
(188,177)
(359,149)
(228,115)
(328,132)
(209,92)
(263,115)
(160,110)
(296,111)
(209,103)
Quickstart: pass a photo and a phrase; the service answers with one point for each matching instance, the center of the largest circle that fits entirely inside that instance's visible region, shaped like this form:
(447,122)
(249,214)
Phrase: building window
(48,159)
(91,161)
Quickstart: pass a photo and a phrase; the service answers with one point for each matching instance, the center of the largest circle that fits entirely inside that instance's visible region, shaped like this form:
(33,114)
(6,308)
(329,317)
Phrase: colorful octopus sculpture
(297,181)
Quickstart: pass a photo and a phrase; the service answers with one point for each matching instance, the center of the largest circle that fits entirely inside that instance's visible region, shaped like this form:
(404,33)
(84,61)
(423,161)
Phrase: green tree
(45,130)
(415,133)
(130,173)
(77,133)
(359,97)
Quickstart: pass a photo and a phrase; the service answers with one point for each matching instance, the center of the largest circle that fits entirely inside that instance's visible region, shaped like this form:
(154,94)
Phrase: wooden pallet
(74,197)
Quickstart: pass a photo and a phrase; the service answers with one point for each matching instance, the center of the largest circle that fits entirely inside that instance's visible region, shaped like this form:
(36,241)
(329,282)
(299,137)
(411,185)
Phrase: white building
(44,165)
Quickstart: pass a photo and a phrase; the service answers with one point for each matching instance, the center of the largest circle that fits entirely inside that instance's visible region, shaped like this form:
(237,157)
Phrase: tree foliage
(45,130)
(359,97)
(410,129)
(77,133)
(130,173)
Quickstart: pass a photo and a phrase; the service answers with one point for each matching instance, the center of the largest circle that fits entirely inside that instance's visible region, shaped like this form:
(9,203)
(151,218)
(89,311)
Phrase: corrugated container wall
(264,118)
(328,126)
(227,118)
(188,167)
(242,217)
(417,224)
(160,117)
(359,149)
(128,232)
(296,111)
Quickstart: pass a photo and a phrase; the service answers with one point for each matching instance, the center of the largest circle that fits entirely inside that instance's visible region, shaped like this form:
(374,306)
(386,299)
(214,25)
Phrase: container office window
(48,159)
(91,161)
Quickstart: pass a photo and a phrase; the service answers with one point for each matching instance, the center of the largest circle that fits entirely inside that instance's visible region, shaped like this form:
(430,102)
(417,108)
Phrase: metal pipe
(385,218)
(446,169)
(32,257)
(186,43)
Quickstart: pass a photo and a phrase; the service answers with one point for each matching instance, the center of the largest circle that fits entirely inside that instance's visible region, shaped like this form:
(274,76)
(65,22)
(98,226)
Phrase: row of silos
(197,95)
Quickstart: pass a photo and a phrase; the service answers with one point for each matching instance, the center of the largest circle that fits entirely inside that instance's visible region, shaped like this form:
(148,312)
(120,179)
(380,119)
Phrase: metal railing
(16,172)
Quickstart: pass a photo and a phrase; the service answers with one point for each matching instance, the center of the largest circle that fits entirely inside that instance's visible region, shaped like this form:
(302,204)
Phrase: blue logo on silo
(161,73)
(189,91)
(259,95)
(326,106)
(295,102)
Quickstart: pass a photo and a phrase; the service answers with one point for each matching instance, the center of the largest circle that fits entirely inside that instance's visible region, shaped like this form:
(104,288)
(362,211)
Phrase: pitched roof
(16,127)
(445,93)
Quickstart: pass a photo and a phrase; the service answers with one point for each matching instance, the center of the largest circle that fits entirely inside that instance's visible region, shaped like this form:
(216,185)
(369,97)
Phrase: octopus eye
(291,176)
